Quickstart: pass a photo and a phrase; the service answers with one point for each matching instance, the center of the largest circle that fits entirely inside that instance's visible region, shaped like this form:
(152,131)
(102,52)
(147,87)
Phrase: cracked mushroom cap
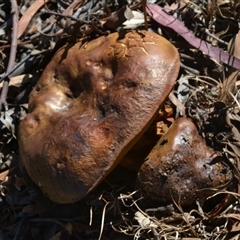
(91,104)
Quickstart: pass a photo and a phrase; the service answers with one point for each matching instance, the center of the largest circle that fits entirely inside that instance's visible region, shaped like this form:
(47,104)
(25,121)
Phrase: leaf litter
(206,35)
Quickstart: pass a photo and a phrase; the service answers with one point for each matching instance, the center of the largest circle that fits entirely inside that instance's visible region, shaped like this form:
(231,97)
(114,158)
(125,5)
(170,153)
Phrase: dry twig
(12,57)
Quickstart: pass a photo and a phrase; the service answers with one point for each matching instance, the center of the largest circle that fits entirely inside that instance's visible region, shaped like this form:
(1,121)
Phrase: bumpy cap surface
(91,104)
(181,167)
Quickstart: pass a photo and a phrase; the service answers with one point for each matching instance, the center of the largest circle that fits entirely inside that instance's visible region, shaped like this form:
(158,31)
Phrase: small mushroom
(181,167)
(90,106)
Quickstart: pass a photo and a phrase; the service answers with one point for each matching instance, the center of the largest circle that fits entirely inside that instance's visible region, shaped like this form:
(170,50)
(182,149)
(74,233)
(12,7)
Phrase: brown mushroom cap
(91,104)
(181,167)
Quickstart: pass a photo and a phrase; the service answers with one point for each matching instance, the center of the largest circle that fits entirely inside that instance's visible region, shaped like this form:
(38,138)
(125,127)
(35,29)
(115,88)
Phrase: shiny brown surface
(90,106)
(182,167)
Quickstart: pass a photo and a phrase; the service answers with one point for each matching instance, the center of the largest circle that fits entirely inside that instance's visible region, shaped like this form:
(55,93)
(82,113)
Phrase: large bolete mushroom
(91,104)
(181,167)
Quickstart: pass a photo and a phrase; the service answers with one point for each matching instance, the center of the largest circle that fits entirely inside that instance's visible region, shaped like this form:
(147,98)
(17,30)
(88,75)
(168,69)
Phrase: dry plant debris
(206,34)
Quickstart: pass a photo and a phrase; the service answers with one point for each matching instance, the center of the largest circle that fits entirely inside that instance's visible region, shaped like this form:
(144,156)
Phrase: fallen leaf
(138,19)
(167,20)
(116,19)
(32,208)
(3,175)
(28,15)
